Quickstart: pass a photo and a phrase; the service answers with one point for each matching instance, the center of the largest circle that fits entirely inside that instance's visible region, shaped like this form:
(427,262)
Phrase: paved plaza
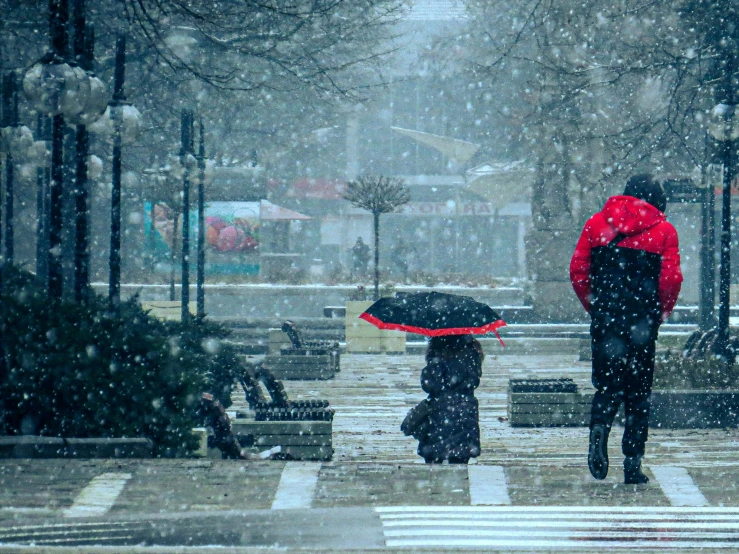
(530,489)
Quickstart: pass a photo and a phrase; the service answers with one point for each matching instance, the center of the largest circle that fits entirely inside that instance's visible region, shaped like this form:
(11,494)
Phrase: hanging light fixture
(55,87)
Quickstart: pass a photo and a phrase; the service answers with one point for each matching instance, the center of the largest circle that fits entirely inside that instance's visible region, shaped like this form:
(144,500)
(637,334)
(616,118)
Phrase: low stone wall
(291,301)
(31,446)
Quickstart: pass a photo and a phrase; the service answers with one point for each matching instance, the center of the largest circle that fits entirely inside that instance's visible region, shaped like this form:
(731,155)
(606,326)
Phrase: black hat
(647,188)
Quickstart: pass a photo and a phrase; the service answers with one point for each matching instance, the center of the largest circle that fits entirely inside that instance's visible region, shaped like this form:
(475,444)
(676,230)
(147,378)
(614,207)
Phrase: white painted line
(27,510)
(99,496)
(665,525)
(563,509)
(574,544)
(297,485)
(560,516)
(678,486)
(623,534)
(488,486)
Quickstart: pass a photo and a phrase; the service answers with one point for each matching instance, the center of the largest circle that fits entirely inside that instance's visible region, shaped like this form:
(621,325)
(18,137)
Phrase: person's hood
(631,216)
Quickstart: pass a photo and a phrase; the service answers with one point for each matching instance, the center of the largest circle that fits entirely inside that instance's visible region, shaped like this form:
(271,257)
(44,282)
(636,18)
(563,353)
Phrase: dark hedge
(74,370)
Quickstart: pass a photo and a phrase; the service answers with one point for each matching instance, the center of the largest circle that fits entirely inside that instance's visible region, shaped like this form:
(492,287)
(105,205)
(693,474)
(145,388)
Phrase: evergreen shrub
(76,370)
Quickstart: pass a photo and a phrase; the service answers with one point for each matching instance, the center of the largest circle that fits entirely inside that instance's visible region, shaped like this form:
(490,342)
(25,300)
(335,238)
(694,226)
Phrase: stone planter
(671,409)
(362,337)
(299,440)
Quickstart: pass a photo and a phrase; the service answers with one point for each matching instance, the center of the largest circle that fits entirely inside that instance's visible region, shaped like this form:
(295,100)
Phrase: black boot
(632,471)
(598,452)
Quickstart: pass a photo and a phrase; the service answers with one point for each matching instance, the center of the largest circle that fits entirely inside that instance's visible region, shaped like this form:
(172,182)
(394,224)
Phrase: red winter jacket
(646,228)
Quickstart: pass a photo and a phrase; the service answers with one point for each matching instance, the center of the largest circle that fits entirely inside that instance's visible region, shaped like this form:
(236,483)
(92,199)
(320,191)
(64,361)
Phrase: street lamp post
(81,249)
(725,273)
(186,159)
(119,124)
(707,264)
(61,91)
(114,283)
(84,38)
(10,113)
(725,130)
(201,225)
(16,143)
(43,133)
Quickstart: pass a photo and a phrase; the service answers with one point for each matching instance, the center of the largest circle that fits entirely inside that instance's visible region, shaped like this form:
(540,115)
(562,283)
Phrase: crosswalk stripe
(564,543)
(297,485)
(664,535)
(538,527)
(562,509)
(530,523)
(99,496)
(560,516)
(487,485)
(678,486)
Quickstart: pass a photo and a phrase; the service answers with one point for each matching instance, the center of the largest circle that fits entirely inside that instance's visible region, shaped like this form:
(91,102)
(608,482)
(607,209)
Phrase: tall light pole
(186,159)
(725,131)
(43,132)
(708,263)
(83,50)
(114,263)
(58,22)
(201,225)
(10,114)
(62,91)
(81,210)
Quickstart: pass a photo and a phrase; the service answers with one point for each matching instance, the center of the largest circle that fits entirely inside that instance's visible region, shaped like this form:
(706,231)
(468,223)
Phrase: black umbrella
(433,314)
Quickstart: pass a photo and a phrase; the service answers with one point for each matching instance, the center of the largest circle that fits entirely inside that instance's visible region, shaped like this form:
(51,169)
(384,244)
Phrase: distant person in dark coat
(626,272)
(360,258)
(452,373)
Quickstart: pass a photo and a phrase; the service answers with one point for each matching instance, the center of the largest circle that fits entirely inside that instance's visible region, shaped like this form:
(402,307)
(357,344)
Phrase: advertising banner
(232,231)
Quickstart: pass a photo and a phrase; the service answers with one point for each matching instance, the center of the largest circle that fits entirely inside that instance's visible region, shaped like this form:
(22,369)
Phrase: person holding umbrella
(452,373)
(626,272)
(446,423)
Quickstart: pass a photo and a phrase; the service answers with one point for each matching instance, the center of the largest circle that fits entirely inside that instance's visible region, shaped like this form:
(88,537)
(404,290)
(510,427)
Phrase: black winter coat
(454,430)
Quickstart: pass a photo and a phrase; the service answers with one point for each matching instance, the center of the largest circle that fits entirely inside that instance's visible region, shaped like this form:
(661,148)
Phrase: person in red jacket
(626,272)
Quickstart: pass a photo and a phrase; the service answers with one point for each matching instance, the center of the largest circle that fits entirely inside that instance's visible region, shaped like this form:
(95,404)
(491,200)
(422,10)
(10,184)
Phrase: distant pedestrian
(626,272)
(360,259)
(399,257)
(452,373)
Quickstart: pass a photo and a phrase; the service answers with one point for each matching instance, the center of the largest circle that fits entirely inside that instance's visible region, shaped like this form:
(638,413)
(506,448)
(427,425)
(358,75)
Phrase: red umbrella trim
(487,328)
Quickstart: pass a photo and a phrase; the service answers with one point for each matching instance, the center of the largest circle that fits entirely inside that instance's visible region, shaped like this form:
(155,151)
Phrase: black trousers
(623,370)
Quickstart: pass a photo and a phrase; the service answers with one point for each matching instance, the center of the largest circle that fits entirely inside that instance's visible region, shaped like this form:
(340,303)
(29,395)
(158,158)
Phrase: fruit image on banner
(232,226)
(229,226)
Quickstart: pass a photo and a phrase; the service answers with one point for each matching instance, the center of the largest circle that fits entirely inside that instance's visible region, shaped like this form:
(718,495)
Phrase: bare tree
(613,86)
(378,195)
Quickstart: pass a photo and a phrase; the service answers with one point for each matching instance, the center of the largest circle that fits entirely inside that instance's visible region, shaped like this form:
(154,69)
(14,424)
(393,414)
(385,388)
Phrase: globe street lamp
(723,127)
(84,43)
(120,124)
(60,90)
(15,141)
